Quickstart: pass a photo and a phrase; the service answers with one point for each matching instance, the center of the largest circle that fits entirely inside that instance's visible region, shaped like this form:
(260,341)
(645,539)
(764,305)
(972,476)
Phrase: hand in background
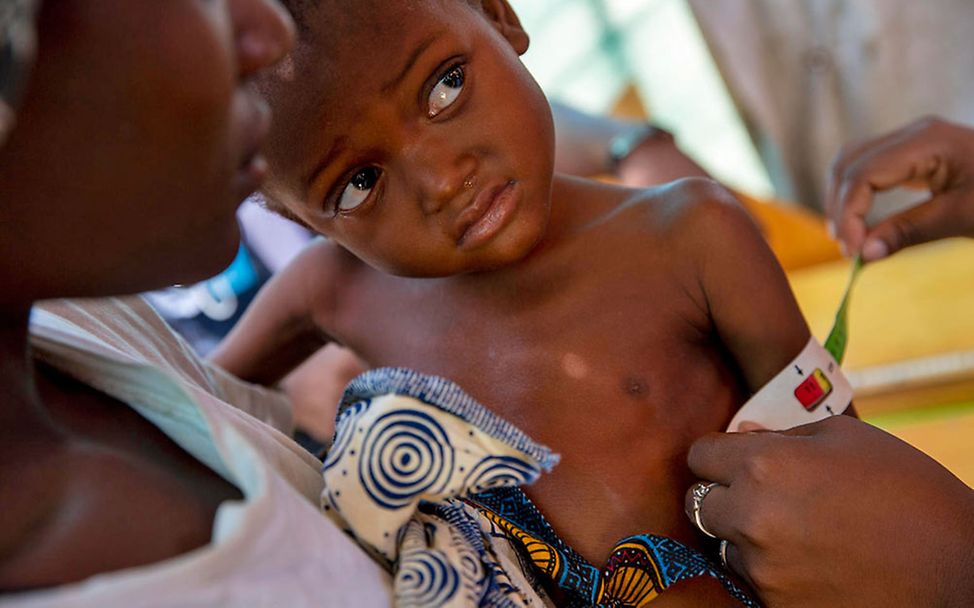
(584,147)
(838,513)
(932,154)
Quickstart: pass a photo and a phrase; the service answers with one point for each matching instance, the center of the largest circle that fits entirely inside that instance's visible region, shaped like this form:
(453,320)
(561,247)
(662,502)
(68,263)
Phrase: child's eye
(358,188)
(446,91)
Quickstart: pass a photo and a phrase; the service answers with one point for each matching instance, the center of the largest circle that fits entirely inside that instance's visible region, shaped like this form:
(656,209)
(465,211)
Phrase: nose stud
(468,183)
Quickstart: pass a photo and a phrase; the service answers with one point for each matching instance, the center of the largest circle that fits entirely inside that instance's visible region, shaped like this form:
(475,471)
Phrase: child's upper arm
(278,330)
(746,293)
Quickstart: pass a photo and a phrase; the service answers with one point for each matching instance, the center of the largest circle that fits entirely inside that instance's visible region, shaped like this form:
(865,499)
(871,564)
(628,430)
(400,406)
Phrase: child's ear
(506,22)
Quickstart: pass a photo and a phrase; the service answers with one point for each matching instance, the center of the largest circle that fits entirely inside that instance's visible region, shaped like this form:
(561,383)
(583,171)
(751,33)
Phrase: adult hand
(930,153)
(838,513)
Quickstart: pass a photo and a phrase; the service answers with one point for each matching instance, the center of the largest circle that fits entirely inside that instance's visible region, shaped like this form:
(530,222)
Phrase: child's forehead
(367,46)
(362,41)
(349,51)
(337,25)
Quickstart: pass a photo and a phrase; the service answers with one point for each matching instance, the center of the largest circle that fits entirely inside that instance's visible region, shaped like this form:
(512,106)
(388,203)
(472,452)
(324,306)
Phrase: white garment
(811,75)
(274,547)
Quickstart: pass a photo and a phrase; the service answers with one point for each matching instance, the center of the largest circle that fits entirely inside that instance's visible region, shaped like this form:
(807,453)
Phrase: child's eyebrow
(411,61)
(337,147)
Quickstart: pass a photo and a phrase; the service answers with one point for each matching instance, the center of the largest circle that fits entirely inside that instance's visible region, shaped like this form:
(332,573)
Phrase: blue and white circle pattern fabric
(426,580)
(407,448)
(499,471)
(405,454)
(393,452)
(345,429)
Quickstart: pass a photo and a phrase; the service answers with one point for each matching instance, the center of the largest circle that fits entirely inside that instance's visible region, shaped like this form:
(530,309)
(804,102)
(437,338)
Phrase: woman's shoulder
(75,332)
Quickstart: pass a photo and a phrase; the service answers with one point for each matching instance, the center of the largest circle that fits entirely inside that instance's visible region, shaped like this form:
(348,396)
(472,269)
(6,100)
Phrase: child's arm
(744,289)
(278,331)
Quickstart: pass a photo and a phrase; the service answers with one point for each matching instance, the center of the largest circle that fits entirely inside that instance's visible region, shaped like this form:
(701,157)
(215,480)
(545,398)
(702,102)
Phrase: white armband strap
(811,388)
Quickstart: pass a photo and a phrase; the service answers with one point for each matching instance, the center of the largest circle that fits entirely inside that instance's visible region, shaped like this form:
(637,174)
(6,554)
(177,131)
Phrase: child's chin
(410,272)
(508,256)
(521,243)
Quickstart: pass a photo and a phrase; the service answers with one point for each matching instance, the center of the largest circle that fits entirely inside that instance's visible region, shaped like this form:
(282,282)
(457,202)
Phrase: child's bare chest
(613,321)
(614,368)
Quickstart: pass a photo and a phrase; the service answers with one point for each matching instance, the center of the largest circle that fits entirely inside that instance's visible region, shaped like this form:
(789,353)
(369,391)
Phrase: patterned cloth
(639,567)
(426,479)
(17,41)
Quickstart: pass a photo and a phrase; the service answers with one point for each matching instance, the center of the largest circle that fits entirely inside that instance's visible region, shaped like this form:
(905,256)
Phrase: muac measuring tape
(810,388)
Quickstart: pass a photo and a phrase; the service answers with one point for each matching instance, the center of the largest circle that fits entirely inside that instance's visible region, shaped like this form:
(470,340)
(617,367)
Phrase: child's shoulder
(691,215)
(691,204)
(324,259)
(688,215)
(313,275)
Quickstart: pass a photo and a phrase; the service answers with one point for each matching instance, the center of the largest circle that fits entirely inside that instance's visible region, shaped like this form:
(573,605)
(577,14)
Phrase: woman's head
(136,140)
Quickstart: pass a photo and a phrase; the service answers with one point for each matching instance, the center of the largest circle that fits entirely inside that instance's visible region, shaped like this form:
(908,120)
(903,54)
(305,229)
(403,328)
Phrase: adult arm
(930,153)
(839,513)
(584,142)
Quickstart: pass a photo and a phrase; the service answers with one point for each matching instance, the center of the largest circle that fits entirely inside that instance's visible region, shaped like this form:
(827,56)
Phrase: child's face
(415,137)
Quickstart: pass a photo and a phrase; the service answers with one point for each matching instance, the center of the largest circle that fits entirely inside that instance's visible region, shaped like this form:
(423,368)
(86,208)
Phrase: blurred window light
(585,52)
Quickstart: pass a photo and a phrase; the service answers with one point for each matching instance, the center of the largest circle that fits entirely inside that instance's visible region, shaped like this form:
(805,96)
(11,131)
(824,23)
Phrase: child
(613,325)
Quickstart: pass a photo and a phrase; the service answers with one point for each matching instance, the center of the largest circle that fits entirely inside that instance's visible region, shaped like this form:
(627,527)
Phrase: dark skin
(135,496)
(840,500)
(613,325)
(87,485)
(619,391)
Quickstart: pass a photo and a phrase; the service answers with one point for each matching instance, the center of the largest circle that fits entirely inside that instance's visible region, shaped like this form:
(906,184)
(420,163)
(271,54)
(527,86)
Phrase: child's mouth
(488,213)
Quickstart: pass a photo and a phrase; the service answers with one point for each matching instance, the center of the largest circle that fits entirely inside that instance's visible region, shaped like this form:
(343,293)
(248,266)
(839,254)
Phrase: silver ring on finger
(697,494)
(722,552)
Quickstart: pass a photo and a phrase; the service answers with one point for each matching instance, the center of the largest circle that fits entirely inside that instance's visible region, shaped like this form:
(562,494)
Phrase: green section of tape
(835,343)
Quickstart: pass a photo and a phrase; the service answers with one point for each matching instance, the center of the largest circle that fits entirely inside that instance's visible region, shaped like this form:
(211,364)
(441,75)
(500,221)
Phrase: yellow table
(911,343)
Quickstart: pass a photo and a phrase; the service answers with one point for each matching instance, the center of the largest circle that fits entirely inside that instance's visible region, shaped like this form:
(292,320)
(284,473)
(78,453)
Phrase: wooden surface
(917,305)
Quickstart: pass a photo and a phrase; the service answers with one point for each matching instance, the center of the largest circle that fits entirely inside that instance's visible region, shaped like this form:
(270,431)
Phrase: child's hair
(300,10)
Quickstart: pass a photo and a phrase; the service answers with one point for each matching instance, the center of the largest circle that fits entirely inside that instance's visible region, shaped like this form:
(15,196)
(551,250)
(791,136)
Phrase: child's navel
(637,388)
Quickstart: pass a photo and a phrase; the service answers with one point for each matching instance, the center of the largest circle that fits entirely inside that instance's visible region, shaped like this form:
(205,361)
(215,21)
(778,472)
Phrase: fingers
(713,514)
(741,464)
(774,496)
(928,221)
(735,561)
(264,32)
(904,156)
(727,457)
(840,167)
(719,521)
(721,457)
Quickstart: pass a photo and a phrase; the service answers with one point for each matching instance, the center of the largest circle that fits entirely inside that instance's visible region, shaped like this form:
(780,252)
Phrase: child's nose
(444,174)
(264,33)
